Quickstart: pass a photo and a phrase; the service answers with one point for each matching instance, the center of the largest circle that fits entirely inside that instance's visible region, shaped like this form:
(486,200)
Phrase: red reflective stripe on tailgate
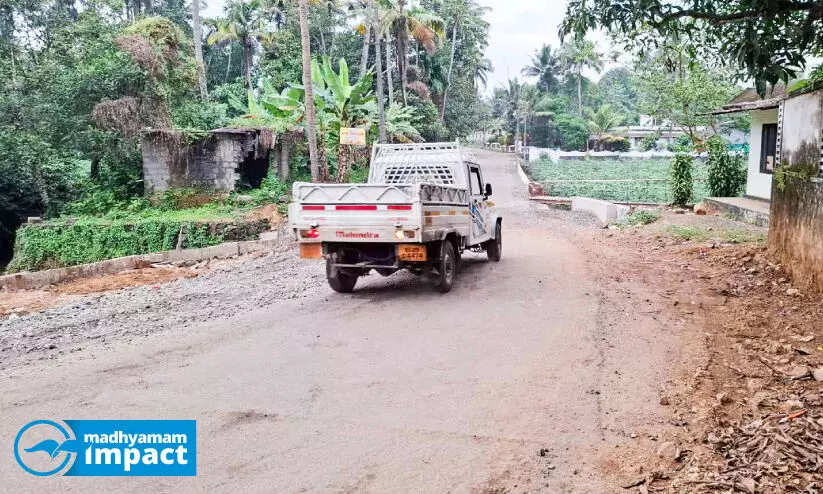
(314,208)
(404,207)
(356,207)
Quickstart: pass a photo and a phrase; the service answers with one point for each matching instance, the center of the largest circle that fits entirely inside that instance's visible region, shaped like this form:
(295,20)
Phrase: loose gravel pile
(237,285)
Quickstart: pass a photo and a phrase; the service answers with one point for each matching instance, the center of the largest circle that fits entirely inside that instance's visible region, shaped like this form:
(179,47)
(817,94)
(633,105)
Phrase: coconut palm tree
(198,48)
(244,24)
(482,70)
(576,56)
(511,96)
(465,11)
(405,23)
(311,117)
(530,97)
(544,65)
(603,120)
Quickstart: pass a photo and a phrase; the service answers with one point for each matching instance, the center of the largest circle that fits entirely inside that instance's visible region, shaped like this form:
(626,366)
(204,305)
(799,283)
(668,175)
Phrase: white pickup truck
(423,206)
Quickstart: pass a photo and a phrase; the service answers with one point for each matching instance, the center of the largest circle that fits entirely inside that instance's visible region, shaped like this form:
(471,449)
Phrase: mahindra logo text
(356,235)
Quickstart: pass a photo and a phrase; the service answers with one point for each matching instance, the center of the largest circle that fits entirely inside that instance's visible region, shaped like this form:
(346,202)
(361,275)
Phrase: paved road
(396,388)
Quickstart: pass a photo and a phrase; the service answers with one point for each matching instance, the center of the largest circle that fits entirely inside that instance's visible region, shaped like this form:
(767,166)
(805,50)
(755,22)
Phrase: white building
(648,126)
(764,139)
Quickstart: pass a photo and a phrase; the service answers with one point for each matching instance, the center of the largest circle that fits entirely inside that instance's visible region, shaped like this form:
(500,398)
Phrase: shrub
(727,172)
(649,143)
(573,132)
(643,217)
(683,144)
(613,143)
(56,245)
(681,181)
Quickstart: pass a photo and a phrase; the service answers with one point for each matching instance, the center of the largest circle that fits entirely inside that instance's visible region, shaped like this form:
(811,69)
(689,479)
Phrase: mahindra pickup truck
(424,205)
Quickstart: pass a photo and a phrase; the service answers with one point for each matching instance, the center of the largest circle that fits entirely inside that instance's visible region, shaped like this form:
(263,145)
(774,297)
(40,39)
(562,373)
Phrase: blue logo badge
(108,448)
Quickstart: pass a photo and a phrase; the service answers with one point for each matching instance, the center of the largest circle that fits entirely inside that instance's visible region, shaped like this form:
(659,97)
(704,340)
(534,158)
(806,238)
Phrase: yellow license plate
(311,251)
(411,252)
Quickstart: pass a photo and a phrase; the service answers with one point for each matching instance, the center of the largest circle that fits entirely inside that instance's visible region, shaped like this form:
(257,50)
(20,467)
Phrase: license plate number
(414,253)
(311,251)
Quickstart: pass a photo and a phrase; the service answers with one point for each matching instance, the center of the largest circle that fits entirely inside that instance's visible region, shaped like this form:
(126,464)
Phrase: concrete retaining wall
(605,211)
(41,279)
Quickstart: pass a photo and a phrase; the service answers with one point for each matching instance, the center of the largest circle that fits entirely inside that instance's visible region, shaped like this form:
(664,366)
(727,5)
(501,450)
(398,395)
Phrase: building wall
(212,163)
(758,184)
(796,216)
(801,130)
(796,230)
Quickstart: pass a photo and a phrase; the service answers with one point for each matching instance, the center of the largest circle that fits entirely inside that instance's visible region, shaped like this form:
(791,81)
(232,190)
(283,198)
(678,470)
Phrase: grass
(642,217)
(702,234)
(612,169)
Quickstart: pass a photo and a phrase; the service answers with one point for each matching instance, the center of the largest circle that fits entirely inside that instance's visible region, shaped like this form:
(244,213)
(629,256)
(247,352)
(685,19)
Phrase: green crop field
(637,179)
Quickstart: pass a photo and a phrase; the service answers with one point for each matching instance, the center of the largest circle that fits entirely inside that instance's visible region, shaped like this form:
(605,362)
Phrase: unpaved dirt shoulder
(745,409)
(651,346)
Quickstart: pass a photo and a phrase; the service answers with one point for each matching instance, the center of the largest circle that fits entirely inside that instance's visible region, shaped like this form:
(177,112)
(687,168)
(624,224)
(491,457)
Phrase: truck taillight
(399,207)
(313,233)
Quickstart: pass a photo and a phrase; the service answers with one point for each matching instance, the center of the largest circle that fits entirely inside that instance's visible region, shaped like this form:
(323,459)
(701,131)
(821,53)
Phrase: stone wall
(796,230)
(214,162)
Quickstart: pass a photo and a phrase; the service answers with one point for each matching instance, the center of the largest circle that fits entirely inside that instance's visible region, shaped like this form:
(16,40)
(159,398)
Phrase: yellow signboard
(353,136)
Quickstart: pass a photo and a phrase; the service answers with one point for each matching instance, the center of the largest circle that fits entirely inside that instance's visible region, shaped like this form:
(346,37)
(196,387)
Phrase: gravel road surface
(523,378)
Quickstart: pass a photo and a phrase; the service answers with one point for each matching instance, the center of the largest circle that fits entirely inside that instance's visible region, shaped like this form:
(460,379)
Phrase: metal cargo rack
(431,163)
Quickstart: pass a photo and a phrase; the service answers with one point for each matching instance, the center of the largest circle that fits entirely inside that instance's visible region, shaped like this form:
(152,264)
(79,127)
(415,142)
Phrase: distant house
(649,126)
(763,140)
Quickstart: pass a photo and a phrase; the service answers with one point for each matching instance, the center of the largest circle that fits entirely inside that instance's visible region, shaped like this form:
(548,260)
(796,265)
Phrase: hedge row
(58,245)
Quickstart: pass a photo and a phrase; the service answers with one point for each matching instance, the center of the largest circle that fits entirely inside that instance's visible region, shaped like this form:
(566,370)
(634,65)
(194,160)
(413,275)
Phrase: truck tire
(446,267)
(494,247)
(339,281)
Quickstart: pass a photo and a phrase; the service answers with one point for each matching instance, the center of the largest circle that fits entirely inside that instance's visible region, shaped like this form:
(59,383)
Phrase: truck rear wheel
(494,247)
(446,267)
(338,280)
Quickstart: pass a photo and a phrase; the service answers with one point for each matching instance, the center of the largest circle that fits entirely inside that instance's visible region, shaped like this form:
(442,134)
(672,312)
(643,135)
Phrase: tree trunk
(247,63)
(516,132)
(449,74)
(323,158)
(198,49)
(389,85)
(228,66)
(364,57)
(344,153)
(404,80)
(381,115)
(311,118)
(580,94)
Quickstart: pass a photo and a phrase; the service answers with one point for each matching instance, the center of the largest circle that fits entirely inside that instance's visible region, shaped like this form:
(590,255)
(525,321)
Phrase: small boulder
(668,450)
(818,374)
(536,189)
(793,292)
(243,198)
(799,372)
(702,209)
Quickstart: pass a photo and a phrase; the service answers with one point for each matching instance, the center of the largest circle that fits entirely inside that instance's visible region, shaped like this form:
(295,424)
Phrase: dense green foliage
(39,247)
(764,40)
(628,180)
(682,180)
(727,172)
(79,83)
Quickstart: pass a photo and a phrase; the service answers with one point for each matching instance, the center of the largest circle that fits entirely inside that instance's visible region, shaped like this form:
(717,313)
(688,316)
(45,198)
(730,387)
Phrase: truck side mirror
(488,190)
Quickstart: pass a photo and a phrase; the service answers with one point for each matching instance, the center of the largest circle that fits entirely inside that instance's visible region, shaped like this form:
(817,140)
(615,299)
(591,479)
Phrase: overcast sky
(518,27)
